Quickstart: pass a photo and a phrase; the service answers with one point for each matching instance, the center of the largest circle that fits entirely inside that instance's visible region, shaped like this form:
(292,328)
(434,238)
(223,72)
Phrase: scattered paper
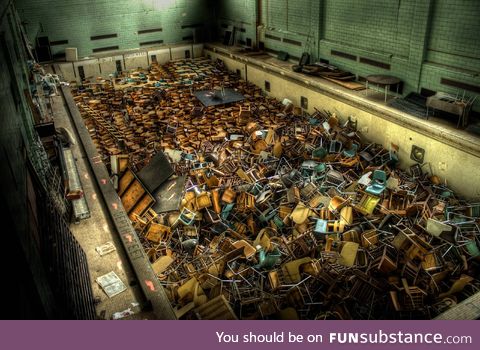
(122,314)
(111,284)
(105,249)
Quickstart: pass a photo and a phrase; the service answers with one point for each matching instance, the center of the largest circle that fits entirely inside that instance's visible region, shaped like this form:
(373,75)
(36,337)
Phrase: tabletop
(383,79)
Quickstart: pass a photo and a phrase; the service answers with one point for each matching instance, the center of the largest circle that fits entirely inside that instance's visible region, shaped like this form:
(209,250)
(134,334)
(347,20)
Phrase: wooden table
(384,80)
(449,104)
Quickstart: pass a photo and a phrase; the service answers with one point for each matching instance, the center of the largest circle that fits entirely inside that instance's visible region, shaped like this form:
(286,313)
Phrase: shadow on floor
(415,104)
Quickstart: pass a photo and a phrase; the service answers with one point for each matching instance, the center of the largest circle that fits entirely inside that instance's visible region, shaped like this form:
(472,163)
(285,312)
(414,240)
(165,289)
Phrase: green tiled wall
(238,13)
(76,21)
(391,32)
(422,40)
(291,20)
(377,25)
(453,48)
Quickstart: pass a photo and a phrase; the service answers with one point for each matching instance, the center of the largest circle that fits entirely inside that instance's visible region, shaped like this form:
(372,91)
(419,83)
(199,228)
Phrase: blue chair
(256,188)
(267,215)
(321,168)
(267,260)
(319,153)
(314,121)
(350,153)
(186,217)
(321,227)
(278,222)
(320,172)
(378,184)
(226,211)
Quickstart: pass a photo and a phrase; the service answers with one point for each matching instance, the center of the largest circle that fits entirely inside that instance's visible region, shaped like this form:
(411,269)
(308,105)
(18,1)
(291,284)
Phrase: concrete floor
(98,230)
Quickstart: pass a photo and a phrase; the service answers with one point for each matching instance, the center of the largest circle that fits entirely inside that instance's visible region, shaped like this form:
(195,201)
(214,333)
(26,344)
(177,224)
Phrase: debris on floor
(279,213)
(122,314)
(111,284)
(105,249)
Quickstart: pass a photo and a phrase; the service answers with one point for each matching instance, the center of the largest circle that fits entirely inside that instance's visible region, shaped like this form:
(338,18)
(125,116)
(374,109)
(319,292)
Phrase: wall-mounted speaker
(71,54)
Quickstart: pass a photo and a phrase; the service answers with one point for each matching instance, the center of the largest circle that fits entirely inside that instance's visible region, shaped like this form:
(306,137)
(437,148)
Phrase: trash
(122,314)
(106,248)
(111,284)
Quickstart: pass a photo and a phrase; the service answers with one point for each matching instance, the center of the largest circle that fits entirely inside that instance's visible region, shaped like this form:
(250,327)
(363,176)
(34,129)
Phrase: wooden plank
(125,181)
(134,193)
(122,164)
(161,264)
(158,232)
(352,85)
(216,309)
(142,205)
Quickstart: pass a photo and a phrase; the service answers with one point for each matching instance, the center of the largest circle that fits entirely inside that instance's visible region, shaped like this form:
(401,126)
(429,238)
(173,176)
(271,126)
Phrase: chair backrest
(379,176)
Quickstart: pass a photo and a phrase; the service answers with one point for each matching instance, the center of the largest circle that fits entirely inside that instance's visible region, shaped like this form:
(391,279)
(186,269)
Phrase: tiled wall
(421,41)
(236,13)
(453,48)
(291,26)
(136,23)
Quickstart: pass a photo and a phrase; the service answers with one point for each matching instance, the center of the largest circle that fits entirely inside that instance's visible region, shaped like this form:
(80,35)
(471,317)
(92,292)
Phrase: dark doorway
(42,49)
(118,65)
(81,73)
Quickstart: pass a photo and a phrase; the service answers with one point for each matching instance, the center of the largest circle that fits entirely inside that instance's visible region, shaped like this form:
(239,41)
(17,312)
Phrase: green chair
(267,260)
(350,153)
(319,153)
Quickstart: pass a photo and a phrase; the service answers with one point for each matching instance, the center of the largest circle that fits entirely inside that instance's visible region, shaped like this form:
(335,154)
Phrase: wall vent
(267,85)
(146,31)
(272,37)
(105,36)
(304,102)
(293,42)
(458,84)
(196,25)
(152,42)
(106,48)
(374,63)
(343,55)
(58,42)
